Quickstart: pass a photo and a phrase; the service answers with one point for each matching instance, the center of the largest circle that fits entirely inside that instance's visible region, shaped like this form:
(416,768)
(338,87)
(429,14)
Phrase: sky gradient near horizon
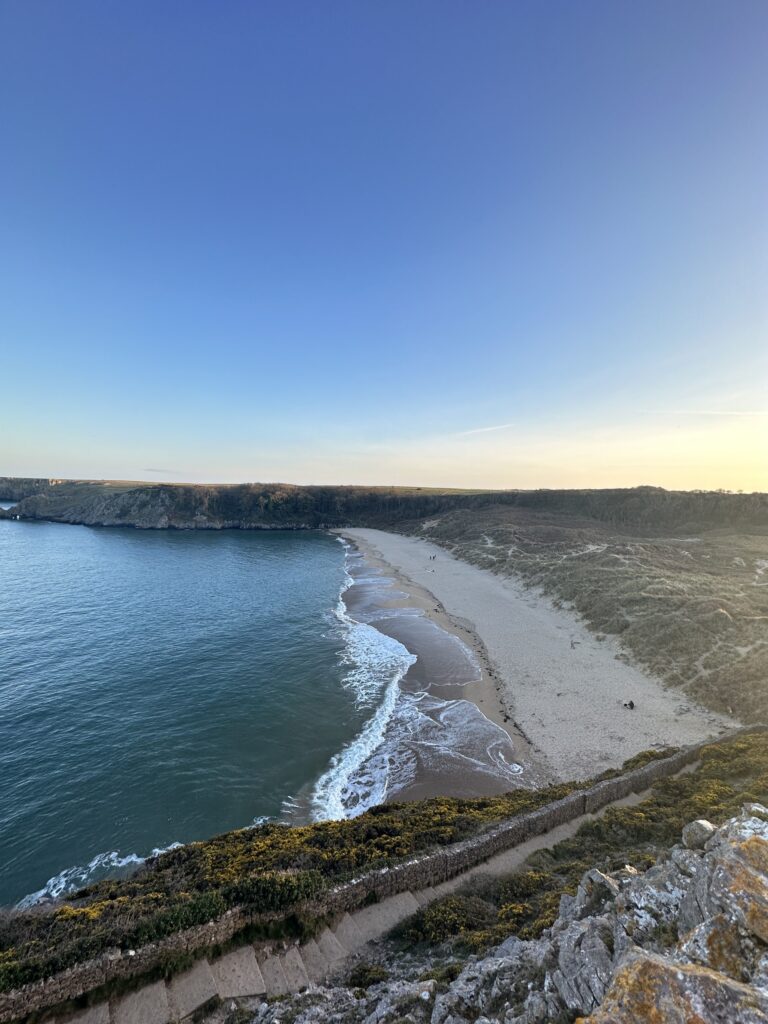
(448,243)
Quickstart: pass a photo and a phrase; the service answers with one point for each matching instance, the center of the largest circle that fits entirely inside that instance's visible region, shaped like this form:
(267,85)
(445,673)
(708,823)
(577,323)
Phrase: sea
(158,687)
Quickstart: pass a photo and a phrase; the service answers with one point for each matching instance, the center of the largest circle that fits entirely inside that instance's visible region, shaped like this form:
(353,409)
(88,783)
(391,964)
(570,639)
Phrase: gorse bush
(363,975)
(270,869)
(449,917)
(527,901)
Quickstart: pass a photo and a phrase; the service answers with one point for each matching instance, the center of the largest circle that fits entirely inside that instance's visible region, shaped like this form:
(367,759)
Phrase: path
(255,973)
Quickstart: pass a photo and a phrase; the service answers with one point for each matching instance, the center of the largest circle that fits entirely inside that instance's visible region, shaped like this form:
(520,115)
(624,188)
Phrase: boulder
(697,833)
(649,989)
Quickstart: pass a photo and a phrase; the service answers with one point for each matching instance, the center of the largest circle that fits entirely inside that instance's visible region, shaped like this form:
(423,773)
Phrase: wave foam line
(377,663)
(74,878)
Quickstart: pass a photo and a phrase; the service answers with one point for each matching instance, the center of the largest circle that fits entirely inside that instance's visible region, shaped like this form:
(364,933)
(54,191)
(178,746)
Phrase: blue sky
(336,242)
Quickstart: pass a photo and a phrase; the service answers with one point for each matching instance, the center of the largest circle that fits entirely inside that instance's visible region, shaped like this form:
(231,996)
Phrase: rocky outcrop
(652,989)
(685,942)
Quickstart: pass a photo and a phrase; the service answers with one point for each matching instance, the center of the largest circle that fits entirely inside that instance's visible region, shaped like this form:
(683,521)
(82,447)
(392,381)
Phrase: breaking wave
(71,879)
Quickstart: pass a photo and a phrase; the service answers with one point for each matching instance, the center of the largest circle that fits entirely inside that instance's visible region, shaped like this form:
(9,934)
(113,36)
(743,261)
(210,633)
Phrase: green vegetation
(256,505)
(363,975)
(488,910)
(679,583)
(268,869)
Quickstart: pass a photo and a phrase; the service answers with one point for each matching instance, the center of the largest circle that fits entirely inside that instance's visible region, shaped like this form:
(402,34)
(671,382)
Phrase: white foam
(74,878)
(376,663)
(372,658)
(408,732)
(346,788)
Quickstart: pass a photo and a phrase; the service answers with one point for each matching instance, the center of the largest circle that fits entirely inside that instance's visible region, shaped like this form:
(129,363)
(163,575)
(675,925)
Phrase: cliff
(18,487)
(286,506)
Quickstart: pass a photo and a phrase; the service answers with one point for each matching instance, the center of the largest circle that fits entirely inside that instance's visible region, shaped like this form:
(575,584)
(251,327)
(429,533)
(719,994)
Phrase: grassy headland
(259,506)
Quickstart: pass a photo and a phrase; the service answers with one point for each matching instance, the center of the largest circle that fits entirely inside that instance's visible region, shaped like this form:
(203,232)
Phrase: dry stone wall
(415,874)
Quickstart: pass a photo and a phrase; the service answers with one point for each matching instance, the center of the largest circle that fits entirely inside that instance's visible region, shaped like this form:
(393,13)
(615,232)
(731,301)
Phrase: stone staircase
(254,971)
(264,972)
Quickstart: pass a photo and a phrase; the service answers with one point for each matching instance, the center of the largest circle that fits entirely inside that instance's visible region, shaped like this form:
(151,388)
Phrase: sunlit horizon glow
(451,245)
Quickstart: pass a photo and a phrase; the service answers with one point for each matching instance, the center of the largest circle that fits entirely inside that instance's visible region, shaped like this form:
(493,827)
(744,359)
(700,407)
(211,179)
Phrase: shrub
(448,917)
(364,974)
(527,901)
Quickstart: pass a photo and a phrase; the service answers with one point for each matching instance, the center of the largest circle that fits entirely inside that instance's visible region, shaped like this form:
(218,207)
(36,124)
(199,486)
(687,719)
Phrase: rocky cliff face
(686,942)
(285,506)
(15,488)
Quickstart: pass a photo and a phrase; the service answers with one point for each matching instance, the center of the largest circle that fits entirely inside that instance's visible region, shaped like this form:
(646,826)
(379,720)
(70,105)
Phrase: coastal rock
(594,891)
(649,989)
(720,944)
(696,833)
(685,860)
(683,942)
(732,878)
(584,963)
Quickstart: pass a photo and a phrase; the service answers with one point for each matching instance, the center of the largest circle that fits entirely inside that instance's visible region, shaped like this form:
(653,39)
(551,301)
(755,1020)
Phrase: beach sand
(456,778)
(551,684)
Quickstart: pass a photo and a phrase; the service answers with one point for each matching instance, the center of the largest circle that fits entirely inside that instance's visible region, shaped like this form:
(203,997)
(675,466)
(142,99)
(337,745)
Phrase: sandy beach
(548,681)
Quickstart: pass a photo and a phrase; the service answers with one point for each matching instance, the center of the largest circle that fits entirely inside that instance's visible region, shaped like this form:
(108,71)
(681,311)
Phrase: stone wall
(414,874)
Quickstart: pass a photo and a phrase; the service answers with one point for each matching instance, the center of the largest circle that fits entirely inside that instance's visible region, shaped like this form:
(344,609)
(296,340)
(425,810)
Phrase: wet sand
(446,732)
(557,690)
(457,687)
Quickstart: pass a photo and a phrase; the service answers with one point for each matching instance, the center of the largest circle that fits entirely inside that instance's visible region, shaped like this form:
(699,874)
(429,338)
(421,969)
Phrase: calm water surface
(159,687)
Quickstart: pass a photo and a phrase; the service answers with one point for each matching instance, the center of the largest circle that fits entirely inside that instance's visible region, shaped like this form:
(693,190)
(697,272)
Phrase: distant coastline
(158,506)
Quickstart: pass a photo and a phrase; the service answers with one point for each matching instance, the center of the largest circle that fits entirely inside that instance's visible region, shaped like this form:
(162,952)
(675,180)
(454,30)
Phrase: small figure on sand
(629,704)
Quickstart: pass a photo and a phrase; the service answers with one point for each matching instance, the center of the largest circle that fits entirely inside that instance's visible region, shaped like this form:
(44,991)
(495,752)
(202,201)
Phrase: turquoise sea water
(158,687)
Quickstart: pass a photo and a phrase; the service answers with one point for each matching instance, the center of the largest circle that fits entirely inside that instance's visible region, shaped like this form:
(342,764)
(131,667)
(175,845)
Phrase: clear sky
(508,244)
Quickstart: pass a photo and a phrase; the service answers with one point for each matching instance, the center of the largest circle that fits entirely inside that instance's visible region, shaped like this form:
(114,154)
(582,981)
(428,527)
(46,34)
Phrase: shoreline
(444,730)
(557,690)
(487,693)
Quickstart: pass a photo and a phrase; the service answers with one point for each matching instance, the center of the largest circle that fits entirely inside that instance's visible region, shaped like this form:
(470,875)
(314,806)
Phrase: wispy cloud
(162,472)
(714,412)
(483,430)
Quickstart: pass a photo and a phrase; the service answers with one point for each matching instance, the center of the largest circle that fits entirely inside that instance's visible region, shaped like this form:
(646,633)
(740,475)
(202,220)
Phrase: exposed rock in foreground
(684,943)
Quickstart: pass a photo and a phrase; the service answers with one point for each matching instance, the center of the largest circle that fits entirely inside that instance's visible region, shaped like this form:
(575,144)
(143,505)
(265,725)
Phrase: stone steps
(238,974)
(331,948)
(376,920)
(348,934)
(246,973)
(294,969)
(315,964)
(274,976)
(424,896)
